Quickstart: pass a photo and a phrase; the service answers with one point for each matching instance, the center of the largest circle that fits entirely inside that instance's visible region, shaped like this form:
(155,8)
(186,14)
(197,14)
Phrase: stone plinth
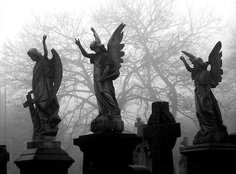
(4,158)
(108,153)
(210,158)
(232,138)
(44,157)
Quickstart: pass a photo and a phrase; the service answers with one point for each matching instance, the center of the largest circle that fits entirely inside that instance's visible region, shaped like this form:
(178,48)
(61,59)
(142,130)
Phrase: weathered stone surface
(107,124)
(107,63)
(43,144)
(212,129)
(44,106)
(45,157)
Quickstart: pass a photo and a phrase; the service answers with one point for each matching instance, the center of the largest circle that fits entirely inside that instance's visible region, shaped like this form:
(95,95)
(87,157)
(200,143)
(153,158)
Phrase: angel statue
(44,106)
(107,63)
(208,112)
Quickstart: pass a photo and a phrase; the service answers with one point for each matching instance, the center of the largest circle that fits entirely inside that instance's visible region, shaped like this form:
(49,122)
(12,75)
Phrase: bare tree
(154,38)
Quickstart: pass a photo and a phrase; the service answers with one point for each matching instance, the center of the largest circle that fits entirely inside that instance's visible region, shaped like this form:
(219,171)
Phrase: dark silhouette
(44,107)
(161,133)
(107,63)
(207,109)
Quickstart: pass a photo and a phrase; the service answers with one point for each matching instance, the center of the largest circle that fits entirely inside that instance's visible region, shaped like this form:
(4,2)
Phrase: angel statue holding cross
(107,63)
(44,106)
(208,112)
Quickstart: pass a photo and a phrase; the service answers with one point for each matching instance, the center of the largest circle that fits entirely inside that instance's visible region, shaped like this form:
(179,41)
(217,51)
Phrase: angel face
(34,54)
(94,45)
(97,47)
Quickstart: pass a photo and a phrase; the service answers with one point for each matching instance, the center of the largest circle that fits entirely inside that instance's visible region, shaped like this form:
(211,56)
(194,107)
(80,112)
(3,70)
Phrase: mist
(155,34)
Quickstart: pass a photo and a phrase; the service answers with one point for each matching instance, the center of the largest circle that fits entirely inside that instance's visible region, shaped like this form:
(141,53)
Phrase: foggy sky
(14,14)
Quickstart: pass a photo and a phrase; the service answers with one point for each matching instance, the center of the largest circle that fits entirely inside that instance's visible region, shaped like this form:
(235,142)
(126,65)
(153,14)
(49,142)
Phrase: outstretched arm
(45,46)
(186,64)
(85,54)
(95,34)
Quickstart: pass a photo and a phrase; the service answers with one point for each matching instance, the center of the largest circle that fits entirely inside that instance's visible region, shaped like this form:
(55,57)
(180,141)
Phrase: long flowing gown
(104,90)
(47,113)
(109,117)
(207,110)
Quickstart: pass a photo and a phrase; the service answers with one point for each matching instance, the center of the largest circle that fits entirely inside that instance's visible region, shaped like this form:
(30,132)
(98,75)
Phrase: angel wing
(114,48)
(56,69)
(215,61)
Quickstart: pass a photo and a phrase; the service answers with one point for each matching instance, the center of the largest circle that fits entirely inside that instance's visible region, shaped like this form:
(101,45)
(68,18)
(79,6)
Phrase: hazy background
(15,14)
(156,31)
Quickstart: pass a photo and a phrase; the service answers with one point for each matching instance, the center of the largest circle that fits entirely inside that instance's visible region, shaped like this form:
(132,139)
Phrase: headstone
(183,159)
(139,125)
(44,157)
(109,153)
(4,158)
(142,151)
(161,132)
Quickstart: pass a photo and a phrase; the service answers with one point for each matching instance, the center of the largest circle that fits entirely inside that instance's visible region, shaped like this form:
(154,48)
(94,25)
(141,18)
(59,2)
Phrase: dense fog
(155,34)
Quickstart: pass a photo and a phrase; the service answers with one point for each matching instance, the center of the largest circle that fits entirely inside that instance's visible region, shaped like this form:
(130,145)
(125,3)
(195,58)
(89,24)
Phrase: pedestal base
(109,153)
(44,157)
(104,124)
(210,158)
(4,158)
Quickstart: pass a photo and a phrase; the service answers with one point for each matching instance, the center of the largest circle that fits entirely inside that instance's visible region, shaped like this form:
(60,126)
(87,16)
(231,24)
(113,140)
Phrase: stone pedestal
(210,158)
(44,157)
(108,153)
(4,158)
(232,138)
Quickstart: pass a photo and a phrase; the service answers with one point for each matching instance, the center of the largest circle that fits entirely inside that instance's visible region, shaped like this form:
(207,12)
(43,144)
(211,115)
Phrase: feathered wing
(115,50)
(215,61)
(56,69)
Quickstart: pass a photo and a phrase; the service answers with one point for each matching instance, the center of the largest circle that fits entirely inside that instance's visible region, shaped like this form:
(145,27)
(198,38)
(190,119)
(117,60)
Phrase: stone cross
(139,125)
(142,151)
(161,132)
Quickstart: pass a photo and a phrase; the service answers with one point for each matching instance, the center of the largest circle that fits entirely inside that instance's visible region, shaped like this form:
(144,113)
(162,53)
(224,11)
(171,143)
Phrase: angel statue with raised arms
(107,63)
(208,112)
(44,106)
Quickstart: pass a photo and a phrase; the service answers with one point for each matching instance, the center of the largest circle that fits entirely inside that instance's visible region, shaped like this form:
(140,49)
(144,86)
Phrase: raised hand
(92,29)
(182,58)
(77,41)
(44,37)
